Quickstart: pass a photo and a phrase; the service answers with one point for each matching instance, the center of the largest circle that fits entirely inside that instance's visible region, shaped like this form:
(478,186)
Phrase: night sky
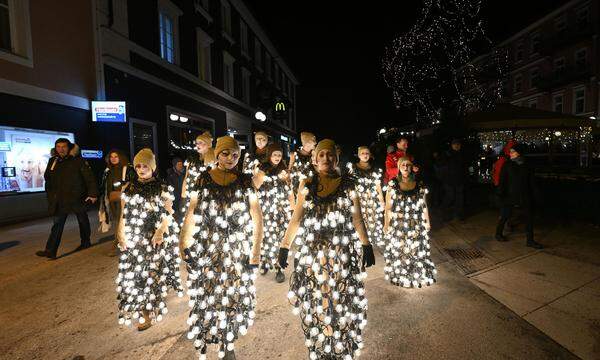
(335,53)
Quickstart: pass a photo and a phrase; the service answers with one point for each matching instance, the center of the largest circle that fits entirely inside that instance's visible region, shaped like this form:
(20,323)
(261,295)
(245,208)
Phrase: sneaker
(534,244)
(280,276)
(501,238)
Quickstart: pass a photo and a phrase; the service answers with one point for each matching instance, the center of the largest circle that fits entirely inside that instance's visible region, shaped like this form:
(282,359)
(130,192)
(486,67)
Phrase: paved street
(491,301)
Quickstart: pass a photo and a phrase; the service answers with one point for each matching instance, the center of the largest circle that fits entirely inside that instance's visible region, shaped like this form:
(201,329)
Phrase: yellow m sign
(280,106)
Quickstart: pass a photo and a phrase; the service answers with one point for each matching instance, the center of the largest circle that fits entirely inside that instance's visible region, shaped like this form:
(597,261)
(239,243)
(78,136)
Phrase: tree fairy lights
(220,285)
(408,252)
(368,186)
(429,68)
(147,271)
(326,287)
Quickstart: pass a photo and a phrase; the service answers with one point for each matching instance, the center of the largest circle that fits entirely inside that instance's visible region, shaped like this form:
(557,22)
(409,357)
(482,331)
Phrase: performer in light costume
(222,235)
(326,286)
(149,262)
(406,227)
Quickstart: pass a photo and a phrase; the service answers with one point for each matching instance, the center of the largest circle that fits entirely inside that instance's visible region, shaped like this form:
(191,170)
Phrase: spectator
(454,176)
(118,174)
(175,178)
(516,190)
(391,161)
(70,188)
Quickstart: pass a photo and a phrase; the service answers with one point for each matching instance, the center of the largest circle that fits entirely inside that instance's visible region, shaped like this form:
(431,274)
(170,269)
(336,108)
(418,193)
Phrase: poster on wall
(24,155)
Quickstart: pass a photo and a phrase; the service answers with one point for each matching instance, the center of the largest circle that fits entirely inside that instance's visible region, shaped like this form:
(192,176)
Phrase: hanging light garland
(565,137)
(367,183)
(429,68)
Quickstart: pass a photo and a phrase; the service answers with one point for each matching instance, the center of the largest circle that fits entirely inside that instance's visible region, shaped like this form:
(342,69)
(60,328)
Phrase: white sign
(109,111)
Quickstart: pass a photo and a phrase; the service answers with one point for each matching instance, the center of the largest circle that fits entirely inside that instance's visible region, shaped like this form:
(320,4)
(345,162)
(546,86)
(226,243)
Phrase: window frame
(258,58)
(520,80)
(575,98)
(519,51)
(21,45)
(244,46)
(204,42)
(533,85)
(563,67)
(562,102)
(228,81)
(585,59)
(268,65)
(171,11)
(226,18)
(246,85)
(536,38)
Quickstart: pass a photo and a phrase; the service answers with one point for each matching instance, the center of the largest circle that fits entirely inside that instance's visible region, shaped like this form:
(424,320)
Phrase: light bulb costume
(256,158)
(301,166)
(408,251)
(220,282)
(368,186)
(147,271)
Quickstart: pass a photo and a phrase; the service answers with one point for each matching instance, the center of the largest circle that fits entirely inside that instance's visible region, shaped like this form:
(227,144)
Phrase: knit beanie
(261,133)
(325,144)
(307,136)
(362,148)
(206,137)
(224,143)
(146,157)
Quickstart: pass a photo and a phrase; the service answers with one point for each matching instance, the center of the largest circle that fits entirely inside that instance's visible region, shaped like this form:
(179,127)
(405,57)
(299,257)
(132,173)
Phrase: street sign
(109,111)
(91,154)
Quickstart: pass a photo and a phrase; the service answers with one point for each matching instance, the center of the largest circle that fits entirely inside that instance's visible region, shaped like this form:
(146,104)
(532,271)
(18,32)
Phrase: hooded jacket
(497,168)
(69,181)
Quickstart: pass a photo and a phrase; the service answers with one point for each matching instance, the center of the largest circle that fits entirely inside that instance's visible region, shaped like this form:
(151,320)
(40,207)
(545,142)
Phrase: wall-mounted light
(183,119)
(174,117)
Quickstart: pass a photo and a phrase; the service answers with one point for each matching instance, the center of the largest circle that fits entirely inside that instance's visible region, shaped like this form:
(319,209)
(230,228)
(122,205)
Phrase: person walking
(454,179)
(118,173)
(516,190)
(175,178)
(70,188)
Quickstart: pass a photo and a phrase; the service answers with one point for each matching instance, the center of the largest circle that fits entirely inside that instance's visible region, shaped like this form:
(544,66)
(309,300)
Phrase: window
(226,17)
(5,30)
(533,103)
(289,91)
(559,66)
(268,65)
(258,53)
(204,43)
(284,83)
(244,37)
(518,84)
(201,4)
(168,16)
(519,52)
(277,78)
(582,20)
(557,103)
(579,100)
(536,43)
(245,86)
(534,78)
(15,32)
(203,7)
(560,25)
(581,59)
(228,61)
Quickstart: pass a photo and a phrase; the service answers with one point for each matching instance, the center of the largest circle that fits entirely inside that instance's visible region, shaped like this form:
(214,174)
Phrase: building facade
(181,67)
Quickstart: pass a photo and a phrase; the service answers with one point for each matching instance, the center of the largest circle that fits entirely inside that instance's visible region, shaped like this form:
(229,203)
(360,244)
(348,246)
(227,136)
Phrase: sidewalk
(556,289)
(66,309)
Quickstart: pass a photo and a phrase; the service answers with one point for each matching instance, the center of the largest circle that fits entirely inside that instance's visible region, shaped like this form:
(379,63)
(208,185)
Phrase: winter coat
(69,181)
(516,185)
(454,169)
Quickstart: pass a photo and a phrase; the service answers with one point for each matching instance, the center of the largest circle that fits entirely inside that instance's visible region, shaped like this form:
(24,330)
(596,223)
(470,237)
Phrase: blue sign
(109,111)
(91,154)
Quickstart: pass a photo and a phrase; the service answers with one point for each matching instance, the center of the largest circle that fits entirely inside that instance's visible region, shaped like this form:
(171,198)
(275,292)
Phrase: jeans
(59,225)
(454,195)
(506,212)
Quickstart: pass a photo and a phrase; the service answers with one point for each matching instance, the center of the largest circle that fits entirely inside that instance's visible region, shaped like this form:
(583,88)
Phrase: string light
(367,184)
(146,272)
(408,252)
(429,68)
(537,137)
(302,168)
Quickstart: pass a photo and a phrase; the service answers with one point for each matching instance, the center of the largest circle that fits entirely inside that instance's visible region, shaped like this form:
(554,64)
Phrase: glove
(187,255)
(282,257)
(368,258)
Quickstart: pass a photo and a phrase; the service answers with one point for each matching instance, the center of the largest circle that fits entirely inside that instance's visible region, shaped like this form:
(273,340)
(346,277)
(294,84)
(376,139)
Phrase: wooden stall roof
(508,117)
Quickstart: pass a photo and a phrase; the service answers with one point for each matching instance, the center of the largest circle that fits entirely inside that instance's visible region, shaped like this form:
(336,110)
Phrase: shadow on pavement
(8,244)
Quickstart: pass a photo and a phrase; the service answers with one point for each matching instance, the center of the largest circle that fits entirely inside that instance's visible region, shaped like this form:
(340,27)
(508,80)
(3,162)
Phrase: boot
(146,325)
(533,244)
(46,253)
(229,355)
(499,230)
(280,276)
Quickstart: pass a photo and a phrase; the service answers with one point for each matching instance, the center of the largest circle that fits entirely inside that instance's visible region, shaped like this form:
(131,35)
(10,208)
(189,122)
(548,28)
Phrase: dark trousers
(505,214)
(59,225)
(454,200)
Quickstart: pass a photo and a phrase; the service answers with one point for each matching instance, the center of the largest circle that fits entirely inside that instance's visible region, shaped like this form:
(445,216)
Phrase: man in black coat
(70,188)
(516,190)
(453,177)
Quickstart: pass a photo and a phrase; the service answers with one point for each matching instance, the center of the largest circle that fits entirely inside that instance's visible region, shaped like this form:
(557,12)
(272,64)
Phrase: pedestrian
(516,191)
(275,198)
(253,160)
(502,158)
(368,187)
(117,174)
(175,179)
(70,188)
(222,235)
(149,263)
(406,225)
(326,286)
(301,166)
(391,160)
(453,180)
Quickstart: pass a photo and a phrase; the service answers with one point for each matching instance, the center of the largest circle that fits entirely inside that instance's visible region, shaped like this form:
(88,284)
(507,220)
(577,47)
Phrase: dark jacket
(176,181)
(69,181)
(516,184)
(454,168)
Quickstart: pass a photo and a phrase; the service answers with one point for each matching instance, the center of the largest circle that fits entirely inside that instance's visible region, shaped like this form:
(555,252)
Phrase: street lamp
(260,116)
